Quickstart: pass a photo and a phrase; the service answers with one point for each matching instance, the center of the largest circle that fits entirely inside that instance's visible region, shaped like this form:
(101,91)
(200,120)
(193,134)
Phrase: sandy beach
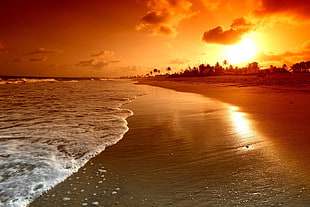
(277,104)
(215,141)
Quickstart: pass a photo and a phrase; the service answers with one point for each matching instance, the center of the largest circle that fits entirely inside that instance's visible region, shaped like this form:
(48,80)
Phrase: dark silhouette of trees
(201,68)
(253,67)
(217,70)
(302,67)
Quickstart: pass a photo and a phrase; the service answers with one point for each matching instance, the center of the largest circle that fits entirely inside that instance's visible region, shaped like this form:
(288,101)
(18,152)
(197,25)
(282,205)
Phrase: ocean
(50,128)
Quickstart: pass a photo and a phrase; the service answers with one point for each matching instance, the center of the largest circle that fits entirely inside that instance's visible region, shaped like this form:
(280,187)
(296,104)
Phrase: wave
(54,132)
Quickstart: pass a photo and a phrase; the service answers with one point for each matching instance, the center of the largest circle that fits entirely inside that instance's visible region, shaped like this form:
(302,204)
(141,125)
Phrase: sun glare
(241,52)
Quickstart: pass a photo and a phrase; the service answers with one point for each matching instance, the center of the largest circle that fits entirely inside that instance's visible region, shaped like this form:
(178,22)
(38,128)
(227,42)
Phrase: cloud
(241,23)
(103,54)
(43,50)
(97,63)
(41,59)
(114,61)
(86,63)
(233,35)
(288,56)
(100,64)
(164,16)
(100,60)
(298,8)
(269,57)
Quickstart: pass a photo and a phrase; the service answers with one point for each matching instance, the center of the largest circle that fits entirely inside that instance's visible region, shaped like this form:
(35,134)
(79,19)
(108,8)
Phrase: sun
(244,51)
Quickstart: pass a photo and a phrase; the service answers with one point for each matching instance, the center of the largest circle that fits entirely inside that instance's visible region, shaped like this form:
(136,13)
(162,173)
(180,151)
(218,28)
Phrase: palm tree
(253,67)
(296,68)
(225,63)
(218,69)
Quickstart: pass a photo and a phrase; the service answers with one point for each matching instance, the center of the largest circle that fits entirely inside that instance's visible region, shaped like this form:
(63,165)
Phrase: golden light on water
(247,135)
(241,124)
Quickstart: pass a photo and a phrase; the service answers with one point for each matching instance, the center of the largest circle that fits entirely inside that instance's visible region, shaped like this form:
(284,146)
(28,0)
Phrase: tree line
(225,69)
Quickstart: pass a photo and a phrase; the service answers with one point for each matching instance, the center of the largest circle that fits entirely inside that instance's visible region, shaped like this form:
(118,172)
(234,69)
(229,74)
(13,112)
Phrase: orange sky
(112,38)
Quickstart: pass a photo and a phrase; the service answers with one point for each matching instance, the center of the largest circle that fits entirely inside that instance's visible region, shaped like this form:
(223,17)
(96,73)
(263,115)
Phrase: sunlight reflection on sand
(249,138)
(241,123)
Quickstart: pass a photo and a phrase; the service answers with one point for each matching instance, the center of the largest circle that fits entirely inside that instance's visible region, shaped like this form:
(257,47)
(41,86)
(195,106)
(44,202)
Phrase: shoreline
(153,166)
(278,105)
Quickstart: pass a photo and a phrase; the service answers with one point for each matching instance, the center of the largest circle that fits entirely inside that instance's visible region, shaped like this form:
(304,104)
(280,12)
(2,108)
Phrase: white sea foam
(48,130)
(25,80)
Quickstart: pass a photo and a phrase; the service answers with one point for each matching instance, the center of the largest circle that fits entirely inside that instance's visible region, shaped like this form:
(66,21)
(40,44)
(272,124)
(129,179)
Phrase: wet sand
(277,104)
(184,149)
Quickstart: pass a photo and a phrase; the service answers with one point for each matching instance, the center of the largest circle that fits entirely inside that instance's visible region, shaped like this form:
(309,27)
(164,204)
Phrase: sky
(112,38)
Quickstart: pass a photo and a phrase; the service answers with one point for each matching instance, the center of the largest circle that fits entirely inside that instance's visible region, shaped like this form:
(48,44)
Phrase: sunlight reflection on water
(241,123)
(243,126)
(249,138)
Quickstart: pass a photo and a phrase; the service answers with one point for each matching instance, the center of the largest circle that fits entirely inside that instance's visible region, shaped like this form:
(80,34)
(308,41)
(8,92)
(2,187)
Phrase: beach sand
(277,104)
(246,146)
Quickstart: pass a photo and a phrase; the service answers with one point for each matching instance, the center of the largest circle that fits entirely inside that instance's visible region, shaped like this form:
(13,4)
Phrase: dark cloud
(219,36)
(154,17)
(166,30)
(241,23)
(41,59)
(164,16)
(45,51)
(295,7)
(233,35)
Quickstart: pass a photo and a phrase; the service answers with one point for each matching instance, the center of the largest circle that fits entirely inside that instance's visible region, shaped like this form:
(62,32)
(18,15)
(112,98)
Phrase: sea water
(50,128)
